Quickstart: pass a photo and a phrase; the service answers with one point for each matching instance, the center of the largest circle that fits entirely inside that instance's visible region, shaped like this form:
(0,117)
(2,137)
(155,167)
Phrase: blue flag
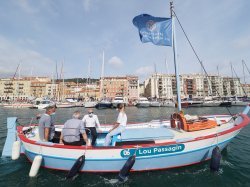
(154,29)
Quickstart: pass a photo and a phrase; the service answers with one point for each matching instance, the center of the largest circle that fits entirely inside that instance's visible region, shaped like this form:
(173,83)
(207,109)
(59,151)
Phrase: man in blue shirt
(73,130)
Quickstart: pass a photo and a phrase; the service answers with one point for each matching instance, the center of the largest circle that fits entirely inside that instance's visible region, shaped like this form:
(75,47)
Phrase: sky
(60,38)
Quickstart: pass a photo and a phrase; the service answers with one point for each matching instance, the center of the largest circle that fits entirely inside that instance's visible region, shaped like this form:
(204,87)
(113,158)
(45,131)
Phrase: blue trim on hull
(142,163)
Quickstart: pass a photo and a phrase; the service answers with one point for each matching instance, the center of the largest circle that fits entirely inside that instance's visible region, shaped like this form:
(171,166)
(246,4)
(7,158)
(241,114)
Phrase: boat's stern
(11,136)
(246,110)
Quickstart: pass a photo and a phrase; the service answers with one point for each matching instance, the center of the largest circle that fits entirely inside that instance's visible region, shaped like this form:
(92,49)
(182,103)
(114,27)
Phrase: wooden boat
(156,144)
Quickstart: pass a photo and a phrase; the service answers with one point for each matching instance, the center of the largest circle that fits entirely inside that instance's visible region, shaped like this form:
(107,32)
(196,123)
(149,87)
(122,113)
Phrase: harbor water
(234,170)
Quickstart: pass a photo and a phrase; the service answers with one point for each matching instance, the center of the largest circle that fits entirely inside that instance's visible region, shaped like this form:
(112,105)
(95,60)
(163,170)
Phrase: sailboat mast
(177,77)
(155,80)
(88,82)
(244,77)
(102,75)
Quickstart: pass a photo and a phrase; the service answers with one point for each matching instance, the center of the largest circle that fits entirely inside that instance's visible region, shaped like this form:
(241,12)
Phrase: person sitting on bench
(73,130)
(120,124)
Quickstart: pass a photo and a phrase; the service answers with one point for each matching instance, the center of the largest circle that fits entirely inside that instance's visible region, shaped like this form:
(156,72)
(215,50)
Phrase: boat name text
(153,150)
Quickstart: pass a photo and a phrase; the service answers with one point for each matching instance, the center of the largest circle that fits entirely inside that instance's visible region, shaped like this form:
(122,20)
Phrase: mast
(232,79)
(102,74)
(89,73)
(218,73)
(155,82)
(244,77)
(177,77)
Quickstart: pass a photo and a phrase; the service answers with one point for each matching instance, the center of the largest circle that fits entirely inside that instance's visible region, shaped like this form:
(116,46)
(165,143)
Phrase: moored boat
(90,104)
(65,105)
(103,104)
(142,102)
(168,103)
(17,105)
(117,100)
(42,103)
(155,103)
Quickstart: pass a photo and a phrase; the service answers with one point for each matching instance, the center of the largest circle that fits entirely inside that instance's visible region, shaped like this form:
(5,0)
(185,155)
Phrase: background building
(192,86)
(127,87)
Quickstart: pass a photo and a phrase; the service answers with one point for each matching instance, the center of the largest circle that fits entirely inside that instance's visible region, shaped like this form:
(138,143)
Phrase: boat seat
(140,134)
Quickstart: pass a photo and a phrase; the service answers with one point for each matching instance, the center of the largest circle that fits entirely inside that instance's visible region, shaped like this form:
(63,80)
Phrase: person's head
(120,106)
(76,115)
(54,108)
(49,110)
(90,112)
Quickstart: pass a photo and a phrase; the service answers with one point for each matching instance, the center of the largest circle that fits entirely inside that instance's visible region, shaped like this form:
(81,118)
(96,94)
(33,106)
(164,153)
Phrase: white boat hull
(184,149)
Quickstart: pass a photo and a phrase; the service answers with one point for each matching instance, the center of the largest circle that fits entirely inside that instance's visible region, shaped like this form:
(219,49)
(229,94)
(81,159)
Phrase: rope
(198,58)
(239,81)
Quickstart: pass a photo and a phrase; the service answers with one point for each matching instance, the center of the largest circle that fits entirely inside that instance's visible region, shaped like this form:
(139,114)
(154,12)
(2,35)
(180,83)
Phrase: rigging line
(197,56)
(239,81)
(246,66)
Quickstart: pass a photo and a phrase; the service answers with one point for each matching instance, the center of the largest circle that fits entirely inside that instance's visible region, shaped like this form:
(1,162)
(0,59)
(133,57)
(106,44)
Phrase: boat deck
(156,131)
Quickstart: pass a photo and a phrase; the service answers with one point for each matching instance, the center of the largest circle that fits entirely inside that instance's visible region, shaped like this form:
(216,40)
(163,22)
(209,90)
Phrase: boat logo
(149,151)
(126,152)
(150,25)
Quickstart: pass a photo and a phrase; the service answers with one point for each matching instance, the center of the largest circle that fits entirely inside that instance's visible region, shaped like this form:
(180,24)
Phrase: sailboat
(90,102)
(160,144)
(104,103)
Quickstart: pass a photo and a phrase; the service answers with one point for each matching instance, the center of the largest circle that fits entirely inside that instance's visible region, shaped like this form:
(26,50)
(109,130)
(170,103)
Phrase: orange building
(127,87)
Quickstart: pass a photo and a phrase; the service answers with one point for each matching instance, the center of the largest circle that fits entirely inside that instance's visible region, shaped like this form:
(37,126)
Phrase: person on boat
(73,132)
(46,128)
(53,120)
(90,121)
(119,125)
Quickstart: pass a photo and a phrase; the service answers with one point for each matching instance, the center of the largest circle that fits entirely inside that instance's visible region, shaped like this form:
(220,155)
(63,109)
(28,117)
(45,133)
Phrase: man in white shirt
(90,121)
(119,125)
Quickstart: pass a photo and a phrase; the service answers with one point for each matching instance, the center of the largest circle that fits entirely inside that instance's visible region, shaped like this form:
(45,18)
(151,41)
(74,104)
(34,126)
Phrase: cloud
(116,62)
(146,70)
(11,55)
(26,7)
(242,42)
(86,5)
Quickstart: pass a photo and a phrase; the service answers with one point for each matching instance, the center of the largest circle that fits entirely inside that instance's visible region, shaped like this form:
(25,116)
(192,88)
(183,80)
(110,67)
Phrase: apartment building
(14,89)
(246,88)
(127,86)
(160,86)
(192,85)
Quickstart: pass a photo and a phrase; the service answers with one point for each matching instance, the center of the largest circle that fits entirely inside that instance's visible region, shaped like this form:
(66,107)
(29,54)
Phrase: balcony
(8,88)
(8,84)
(8,92)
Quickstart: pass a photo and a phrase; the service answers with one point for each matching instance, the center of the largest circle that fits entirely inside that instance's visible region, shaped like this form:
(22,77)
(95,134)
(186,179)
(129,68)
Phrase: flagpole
(177,77)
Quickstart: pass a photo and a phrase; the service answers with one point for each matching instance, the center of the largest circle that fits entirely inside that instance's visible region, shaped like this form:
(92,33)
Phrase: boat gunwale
(245,122)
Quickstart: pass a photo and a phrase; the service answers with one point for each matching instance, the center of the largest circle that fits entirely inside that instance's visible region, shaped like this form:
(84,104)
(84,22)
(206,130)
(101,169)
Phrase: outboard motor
(215,159)
(124,172)
(76,167)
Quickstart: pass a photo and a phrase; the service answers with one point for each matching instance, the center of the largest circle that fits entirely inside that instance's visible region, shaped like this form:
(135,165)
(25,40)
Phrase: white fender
(16,147)
(35,165)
